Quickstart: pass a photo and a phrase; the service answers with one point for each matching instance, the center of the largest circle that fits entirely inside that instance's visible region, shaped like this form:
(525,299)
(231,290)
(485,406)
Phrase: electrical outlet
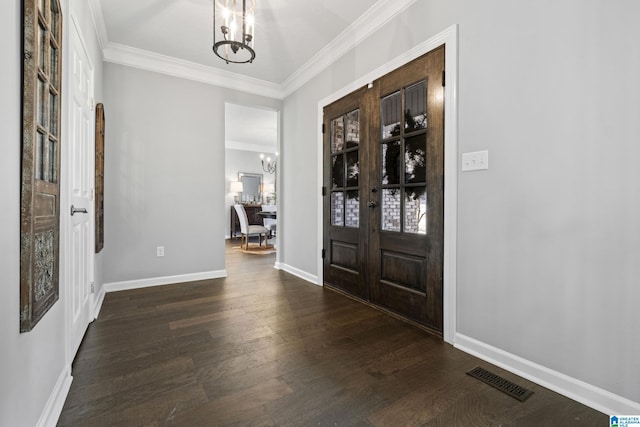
(160,251)
(478,160)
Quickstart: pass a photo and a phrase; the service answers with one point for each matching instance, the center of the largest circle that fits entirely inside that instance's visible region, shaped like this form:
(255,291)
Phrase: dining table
(268,214)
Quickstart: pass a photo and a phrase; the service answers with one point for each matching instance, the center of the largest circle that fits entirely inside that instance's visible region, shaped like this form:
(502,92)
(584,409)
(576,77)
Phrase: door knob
(75,210)
(374,190)
(372,204)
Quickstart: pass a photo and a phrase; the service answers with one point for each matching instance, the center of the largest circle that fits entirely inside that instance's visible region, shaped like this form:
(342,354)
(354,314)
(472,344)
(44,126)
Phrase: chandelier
(268,165)
(233,30)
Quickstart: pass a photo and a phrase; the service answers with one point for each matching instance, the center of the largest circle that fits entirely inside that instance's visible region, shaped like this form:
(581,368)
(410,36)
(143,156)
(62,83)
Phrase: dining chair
(249,230)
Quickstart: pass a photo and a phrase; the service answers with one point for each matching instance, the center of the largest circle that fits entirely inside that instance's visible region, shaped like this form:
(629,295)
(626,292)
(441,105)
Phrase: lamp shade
(268,188)
(236,187)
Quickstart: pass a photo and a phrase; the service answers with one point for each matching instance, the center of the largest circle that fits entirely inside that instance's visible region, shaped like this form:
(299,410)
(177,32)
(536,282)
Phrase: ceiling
(288,32)
(250,128)
(294,39)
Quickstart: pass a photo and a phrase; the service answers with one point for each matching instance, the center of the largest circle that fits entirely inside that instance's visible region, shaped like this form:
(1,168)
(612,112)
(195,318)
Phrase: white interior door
(80,168)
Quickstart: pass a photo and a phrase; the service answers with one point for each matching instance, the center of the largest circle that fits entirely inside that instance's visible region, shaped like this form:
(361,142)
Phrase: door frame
(449,38)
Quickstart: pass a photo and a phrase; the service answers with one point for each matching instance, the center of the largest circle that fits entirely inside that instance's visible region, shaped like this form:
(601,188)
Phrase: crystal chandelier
(233,30)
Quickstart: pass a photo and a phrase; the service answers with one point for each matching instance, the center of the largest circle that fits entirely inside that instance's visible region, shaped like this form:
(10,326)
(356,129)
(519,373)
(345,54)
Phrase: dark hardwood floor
(262,347)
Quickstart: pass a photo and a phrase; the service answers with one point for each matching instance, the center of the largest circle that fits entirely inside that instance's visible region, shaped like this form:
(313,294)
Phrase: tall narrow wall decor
(40,184)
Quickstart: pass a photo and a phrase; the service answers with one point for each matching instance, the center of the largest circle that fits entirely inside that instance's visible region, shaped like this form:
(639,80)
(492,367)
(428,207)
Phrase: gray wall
(548,237)
(30,363)
(165,174)
(241,161)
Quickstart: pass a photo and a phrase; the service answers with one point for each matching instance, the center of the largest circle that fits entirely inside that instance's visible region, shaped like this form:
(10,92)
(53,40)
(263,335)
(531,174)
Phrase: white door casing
(80,235)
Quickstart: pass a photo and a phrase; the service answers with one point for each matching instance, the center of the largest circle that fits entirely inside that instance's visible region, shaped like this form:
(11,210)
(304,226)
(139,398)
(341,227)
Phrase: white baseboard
(166,280)
(580,391)
(52,410)
(297,272)
(97,302)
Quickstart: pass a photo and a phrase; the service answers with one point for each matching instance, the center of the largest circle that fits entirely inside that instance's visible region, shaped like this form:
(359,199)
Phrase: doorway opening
(251,178)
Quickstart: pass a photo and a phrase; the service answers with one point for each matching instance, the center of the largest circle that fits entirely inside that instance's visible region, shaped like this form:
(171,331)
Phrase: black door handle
(75,210)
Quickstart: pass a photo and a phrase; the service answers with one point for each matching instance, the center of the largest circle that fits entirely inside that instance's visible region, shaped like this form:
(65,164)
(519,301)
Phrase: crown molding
(370,21)
(95,8)
(150,61)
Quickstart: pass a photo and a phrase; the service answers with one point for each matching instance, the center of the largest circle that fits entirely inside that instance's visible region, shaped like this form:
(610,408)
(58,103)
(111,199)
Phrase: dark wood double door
(384,191)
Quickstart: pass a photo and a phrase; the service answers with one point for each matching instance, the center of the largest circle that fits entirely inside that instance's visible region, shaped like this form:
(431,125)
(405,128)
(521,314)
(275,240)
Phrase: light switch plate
(477,160)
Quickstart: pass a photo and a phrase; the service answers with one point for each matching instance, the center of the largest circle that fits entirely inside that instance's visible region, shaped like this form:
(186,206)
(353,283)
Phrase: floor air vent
(502,384)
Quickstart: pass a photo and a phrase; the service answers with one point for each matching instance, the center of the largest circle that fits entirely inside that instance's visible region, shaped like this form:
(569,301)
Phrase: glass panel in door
(345,169)
(404,160)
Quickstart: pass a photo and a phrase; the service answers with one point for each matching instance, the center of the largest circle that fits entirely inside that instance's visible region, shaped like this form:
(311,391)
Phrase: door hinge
(93,288)
(323,129)
(444,80)
(324,191)
(324,253)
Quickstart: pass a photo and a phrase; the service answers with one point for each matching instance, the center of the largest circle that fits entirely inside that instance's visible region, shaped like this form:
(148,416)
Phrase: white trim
(368,23)
(448,37)
(449,292)
(570,387)
(95,8)
(52,410)
(278,187)
(150,61)
(298,273)
(97,303)
(165,280)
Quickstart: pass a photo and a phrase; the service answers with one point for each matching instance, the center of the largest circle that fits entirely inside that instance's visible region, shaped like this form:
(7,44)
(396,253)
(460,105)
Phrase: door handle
(75,210)
(372,204)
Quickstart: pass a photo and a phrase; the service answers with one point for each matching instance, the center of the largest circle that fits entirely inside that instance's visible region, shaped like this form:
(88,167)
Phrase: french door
(384,201)
(345,220)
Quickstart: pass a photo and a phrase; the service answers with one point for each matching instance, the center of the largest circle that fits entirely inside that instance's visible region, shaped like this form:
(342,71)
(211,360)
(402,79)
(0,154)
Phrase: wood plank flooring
(264,348)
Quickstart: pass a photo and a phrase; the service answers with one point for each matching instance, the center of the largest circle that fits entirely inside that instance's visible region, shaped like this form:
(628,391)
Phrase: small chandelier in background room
(268,165)
(234,30)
